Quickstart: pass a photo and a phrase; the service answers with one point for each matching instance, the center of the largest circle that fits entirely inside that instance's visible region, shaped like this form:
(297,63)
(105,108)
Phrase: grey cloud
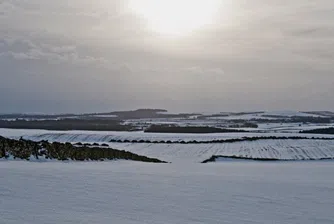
(81,55)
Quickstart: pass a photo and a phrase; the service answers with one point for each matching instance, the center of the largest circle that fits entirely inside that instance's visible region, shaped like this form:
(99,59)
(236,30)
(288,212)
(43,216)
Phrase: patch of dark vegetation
(243,125)
(316,120)
(146,113)
(246,113)
(214,159)
(24,149)
(232,140)
(67,124)
(212,116)
(329,131)
(228,114)
(116,115)
(188,129)
(282,119)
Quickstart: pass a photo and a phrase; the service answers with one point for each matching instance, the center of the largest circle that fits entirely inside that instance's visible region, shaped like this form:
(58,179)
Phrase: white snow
(195,153)
(242,117)
(302,149)
(264,116)
(105,136)
(137,193)
(290,127)
(290,114)
(104,116)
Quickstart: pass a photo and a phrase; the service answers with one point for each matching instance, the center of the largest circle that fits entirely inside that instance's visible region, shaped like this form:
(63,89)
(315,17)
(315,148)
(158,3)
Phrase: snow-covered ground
(269,115)
(105,136)
(194,153)
(289,113)
(104,116)
(288,127)
(136,193)
(288,149)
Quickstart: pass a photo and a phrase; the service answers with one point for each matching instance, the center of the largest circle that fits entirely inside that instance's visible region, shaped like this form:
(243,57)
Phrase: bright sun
(176,17)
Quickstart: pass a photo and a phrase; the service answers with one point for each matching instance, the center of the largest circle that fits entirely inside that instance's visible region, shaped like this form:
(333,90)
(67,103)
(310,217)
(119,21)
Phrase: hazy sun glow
(176,17)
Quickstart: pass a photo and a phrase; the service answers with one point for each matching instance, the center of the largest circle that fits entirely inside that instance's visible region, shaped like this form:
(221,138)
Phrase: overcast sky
(95,56)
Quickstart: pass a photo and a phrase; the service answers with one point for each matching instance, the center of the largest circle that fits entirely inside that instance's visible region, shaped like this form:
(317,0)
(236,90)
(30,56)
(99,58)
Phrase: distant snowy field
(135,193)
(196,153)
(287,149)
(107,136)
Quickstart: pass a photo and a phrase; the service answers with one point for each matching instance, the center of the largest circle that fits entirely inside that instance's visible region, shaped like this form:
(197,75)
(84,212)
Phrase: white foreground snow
(137,193)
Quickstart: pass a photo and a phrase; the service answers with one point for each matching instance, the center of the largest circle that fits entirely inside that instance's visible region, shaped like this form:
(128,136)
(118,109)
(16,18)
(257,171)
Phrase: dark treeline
(316,120)
(146,113)
(232,140)
(24,149)
(214,159)
(188,129)
(294,119)
(329,131)
(68,124)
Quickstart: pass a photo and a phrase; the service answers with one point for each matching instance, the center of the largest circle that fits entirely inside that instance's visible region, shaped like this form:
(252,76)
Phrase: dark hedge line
(214,158)
(24,149)
(68,124)
(221,140)
(329,131)
(188,129)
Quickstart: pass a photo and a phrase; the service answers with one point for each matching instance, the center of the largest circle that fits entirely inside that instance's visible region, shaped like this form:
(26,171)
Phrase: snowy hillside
(283,149)
(103,137)
(275,149)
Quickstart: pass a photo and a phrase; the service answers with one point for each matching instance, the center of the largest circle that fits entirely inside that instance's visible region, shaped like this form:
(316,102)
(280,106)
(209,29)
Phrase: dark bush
(24,149)
(329,131)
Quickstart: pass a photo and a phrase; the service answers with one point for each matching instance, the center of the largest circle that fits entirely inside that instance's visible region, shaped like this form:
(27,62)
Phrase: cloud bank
(85,56)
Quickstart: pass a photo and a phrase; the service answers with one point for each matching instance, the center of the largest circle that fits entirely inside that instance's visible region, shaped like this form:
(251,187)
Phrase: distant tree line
(24,149)
(243,125)
(294,119)
(68,124)
(232,140)
(214,158)
(329,131)
(188,129)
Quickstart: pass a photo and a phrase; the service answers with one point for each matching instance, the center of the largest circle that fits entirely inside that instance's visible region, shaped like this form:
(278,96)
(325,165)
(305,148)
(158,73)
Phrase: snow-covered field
(184,191)
(288,113)
(103,136)
(135,193)
(287,149)
(274,149)
(289,127)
